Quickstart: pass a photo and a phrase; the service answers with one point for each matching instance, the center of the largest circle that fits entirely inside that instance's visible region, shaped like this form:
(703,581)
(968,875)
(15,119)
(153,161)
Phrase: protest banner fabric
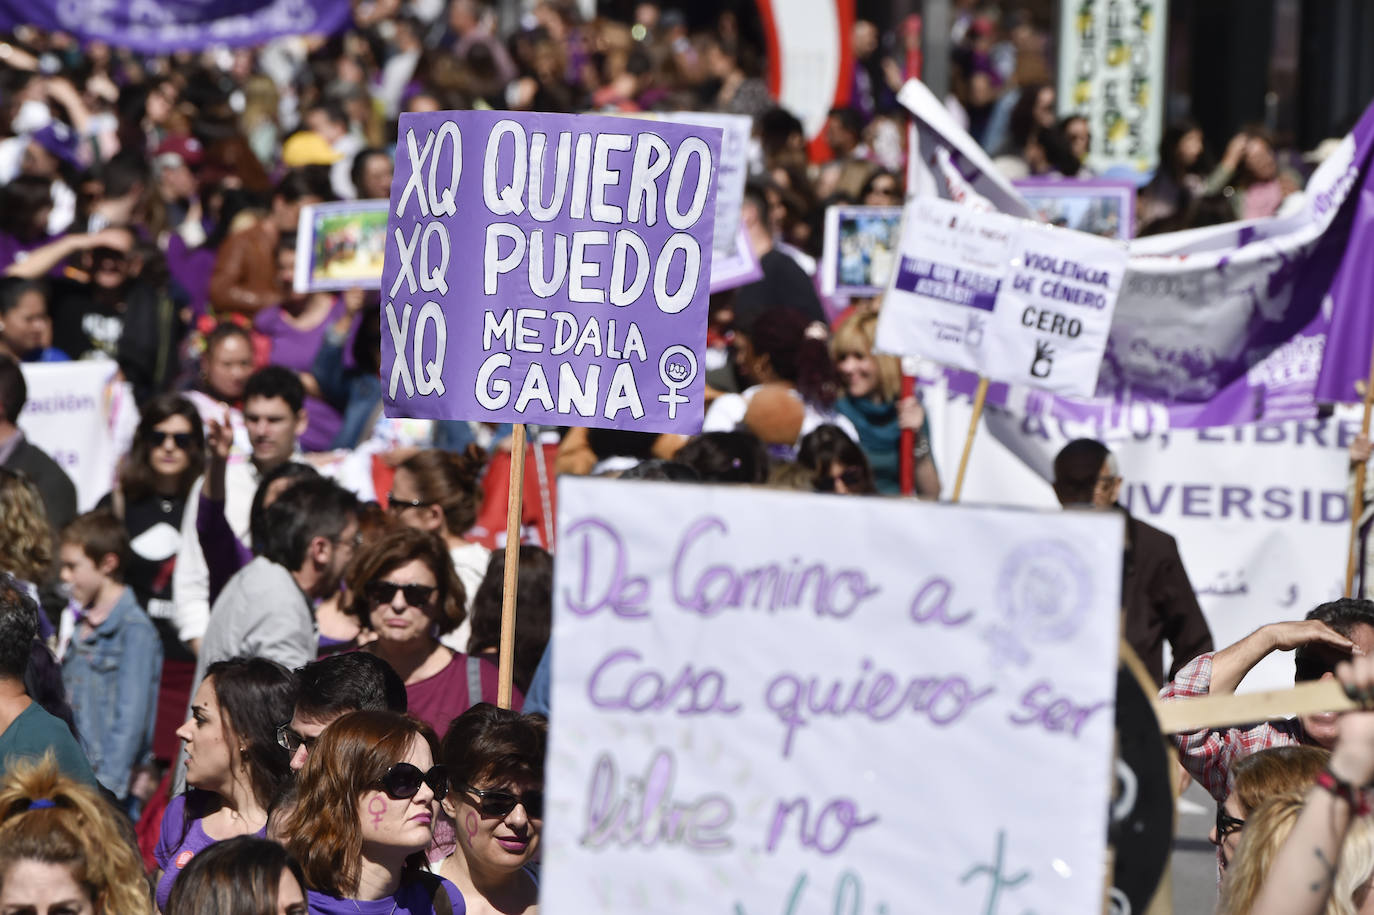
(550,269)
(340,246)
(83,418)
(757,714)
(1259,511)
(1243,322)
(160,28)
(1111,71)
(1007,298)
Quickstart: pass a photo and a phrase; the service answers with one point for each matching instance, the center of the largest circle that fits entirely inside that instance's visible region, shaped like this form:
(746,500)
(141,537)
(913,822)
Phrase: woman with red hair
(365,807)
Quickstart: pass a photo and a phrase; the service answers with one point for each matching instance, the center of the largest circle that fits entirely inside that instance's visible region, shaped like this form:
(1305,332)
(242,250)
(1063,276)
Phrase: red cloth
(173,699)
(1209,754)
(490,528)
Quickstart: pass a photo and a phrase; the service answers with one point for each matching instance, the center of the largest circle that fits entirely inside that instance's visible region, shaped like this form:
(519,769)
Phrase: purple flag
(549,268)
(1254,321)
(161,26)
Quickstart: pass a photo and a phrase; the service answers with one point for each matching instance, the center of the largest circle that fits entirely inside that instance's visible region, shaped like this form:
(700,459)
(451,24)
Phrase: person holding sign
(872,401)
(1332,632)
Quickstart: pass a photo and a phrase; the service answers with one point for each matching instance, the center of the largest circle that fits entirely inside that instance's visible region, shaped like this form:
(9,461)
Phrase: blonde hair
(74,827)
(856,335)
(1265,831)
(26,548)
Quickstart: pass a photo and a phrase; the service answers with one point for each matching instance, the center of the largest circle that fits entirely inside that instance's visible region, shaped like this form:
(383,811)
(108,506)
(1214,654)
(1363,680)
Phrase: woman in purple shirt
(296,328)
(234,765)
(364,815)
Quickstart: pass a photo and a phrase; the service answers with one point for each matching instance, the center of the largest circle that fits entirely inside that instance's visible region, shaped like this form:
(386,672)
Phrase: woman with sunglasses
(437,491)
(1257,778)
(838,464)
(405,592)
(366,803)
(495,762)
(155,480)
(234,765)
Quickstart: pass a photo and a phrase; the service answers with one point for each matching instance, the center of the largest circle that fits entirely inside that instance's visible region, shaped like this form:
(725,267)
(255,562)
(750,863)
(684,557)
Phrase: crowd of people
(260,675)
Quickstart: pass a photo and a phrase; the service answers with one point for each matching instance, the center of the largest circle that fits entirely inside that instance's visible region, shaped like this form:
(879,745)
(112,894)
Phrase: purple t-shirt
(413,898)
(177,845)
(295,349)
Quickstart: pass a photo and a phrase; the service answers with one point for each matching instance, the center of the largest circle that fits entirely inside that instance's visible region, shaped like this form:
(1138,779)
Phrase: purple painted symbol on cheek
(377,807)
(471,822)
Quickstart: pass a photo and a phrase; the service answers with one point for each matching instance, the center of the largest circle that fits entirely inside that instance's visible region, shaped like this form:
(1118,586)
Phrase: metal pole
(935,25)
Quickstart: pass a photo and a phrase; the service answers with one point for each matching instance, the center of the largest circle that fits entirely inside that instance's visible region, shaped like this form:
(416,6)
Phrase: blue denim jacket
(112,678)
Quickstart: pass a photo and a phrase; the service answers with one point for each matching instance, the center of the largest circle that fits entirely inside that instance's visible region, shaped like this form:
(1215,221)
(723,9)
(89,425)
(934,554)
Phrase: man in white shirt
(274,414)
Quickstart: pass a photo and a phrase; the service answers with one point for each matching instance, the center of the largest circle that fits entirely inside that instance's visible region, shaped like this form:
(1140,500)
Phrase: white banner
(758,713)
(1259,512)
(1007,298)
(1111,71)
(82,418)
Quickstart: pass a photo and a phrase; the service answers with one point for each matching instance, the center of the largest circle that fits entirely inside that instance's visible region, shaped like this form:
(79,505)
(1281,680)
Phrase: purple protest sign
(550,269)
(158,28)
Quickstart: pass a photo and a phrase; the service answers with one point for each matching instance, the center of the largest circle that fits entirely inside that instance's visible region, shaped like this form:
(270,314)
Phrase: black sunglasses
(156,439)
(403,780)
(290,741)
(1227,824)
(396,504)
(384,592)
(501,803)
(852,477)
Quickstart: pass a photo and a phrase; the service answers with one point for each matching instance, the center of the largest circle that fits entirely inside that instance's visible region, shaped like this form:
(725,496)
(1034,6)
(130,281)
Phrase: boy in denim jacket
(114,661)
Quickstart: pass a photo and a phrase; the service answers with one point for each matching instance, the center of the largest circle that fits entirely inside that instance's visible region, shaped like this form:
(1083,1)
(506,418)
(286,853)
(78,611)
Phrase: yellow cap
(308,148)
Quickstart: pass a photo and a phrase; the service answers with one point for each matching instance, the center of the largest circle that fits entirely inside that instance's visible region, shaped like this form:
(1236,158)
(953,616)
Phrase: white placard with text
(775,703)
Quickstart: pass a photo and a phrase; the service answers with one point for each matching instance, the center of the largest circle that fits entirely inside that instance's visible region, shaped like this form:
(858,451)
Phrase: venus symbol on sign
(677,368)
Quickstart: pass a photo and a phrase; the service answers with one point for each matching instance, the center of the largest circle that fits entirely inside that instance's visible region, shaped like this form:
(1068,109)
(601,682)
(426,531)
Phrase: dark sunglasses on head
(384,592)
(396,504)
(403,780)
(501,803)
(156,439)
(1227,824)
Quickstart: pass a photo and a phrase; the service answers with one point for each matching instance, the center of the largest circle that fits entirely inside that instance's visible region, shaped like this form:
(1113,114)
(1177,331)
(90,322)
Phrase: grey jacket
(263,613)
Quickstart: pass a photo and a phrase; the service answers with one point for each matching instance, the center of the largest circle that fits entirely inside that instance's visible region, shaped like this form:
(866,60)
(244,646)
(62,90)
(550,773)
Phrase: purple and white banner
(1244,322)
(1008,298)
(153,27)
(549,268)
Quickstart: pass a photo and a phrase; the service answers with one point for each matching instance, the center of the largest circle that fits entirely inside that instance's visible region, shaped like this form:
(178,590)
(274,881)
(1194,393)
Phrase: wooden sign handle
(514,506)
(1357,504)
(1219,711)
(979,399)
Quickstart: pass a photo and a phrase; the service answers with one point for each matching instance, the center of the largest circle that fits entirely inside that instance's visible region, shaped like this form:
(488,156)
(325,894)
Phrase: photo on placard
(340,246)
(860,249)
(1096,206)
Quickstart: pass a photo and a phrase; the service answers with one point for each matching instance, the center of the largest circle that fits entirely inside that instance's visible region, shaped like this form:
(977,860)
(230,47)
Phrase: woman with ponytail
(63,848)
(438,491)
(793,386)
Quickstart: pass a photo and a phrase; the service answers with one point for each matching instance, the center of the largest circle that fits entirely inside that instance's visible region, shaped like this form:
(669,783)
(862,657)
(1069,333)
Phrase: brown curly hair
(394,549)
(26,548)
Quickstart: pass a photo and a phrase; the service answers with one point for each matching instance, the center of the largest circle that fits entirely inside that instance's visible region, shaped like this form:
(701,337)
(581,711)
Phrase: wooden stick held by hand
(512,578)
(979,399)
